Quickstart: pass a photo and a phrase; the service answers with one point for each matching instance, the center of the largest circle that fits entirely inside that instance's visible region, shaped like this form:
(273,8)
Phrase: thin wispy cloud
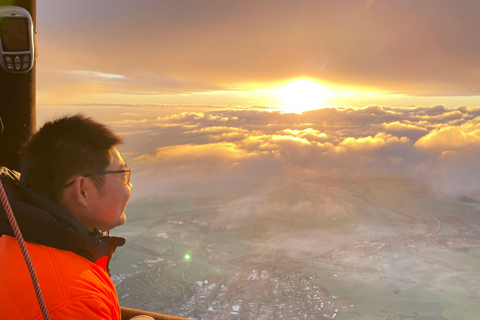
(92,75)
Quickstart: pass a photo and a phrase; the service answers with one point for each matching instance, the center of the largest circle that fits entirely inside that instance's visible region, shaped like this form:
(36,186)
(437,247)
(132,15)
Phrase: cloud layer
(436,145)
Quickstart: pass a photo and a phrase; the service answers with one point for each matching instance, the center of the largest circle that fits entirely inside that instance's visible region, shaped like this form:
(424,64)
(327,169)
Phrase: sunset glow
(187,61)
(302,95)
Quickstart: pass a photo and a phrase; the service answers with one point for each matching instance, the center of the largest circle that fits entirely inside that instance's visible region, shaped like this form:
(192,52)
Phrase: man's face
(110,202)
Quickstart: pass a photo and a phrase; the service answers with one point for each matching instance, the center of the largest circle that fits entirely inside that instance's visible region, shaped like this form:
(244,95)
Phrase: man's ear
(82,190)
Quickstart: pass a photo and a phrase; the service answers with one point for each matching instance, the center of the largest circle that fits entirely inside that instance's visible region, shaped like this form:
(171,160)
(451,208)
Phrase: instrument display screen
(14,34)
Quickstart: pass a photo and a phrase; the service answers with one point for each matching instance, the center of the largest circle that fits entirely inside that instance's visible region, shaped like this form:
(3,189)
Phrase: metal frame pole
(17,103)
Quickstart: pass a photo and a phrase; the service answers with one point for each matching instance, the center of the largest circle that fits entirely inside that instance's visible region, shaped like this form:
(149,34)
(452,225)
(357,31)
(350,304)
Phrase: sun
(303,95)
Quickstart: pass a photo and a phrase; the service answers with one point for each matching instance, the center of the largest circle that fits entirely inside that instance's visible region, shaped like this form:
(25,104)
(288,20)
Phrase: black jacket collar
(44,221)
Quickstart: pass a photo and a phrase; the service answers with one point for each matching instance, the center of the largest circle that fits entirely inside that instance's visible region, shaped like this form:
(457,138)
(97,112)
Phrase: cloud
(453,173)
(466,136)
(405,129)
(96,75)
(206,156)
(184,116)
(309,134)
(368,144)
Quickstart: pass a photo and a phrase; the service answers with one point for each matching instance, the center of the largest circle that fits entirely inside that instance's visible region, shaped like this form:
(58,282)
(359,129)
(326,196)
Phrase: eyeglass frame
(127,169)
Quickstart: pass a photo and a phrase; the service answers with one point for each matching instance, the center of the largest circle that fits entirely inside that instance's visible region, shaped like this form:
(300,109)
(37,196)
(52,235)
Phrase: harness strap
(23,248)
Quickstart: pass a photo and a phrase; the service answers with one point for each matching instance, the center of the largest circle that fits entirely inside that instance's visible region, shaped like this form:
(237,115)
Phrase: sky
(242,53)
(229,93)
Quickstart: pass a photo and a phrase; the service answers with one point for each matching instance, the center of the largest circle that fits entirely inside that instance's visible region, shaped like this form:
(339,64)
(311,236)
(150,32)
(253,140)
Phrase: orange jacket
(70,260)
(73,287)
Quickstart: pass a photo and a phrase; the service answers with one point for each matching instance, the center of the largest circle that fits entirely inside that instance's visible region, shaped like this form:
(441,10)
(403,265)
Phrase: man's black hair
(65,147)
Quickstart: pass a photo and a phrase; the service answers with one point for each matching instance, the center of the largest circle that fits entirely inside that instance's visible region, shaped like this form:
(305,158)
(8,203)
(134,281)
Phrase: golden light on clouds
(437,144)
(450,138)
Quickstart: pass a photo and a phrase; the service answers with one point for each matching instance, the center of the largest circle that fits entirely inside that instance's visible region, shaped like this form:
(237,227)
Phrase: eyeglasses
(127,172)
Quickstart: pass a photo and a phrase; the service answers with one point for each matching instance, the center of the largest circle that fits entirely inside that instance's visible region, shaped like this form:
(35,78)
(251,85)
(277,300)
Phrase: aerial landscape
(325,248)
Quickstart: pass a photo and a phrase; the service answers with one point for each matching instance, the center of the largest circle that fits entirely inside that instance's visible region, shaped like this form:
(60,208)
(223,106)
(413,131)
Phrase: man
(73,189)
